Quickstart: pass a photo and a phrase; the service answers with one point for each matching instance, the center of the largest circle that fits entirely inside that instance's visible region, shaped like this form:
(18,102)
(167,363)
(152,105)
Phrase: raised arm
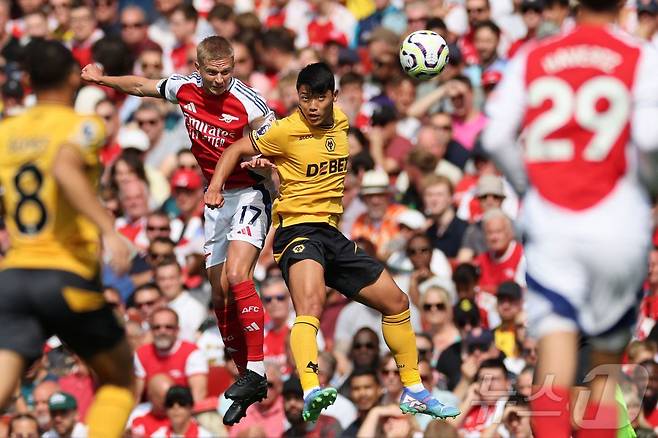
(225,165)
(135,85)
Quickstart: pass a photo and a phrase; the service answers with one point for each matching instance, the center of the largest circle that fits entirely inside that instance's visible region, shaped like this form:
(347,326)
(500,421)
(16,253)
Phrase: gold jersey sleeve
(45,231)
(312,163)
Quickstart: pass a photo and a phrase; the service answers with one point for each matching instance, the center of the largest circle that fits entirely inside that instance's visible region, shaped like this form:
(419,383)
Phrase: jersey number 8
(28,182)
(606,124)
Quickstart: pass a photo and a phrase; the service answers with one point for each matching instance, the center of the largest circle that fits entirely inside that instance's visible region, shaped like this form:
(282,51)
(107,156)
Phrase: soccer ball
(424,54)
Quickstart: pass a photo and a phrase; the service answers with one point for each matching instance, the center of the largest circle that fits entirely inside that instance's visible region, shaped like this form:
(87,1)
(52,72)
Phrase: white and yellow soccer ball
(424,54)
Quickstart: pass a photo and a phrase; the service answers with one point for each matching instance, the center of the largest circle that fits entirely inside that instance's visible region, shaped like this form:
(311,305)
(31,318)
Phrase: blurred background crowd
(421,195)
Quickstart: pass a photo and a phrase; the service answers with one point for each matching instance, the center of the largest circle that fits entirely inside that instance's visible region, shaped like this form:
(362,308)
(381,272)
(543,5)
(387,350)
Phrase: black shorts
(38,303)
(347,268)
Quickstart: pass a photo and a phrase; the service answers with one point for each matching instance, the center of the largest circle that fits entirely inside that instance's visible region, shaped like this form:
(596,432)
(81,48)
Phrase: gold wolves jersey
(45,231)
(312,163)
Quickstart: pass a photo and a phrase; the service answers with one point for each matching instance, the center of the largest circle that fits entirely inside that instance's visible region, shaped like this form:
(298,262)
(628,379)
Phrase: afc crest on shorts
(246,216)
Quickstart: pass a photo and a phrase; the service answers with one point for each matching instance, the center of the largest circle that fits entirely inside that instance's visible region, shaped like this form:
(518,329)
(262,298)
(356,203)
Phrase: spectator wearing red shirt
(134,30)
(183,21)
(154,421)
(106,110)
(503,260)
(187,228)
(293,403)
(134,197)
(387,147)
(531,14)
(84,30)
(181,360)
(276,301)
(179,403)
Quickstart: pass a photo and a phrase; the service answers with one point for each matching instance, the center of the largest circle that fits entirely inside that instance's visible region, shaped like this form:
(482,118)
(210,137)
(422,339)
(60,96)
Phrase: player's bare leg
(385,296)
(307,290)
(245,321)
(556,371)
(11,369)
(114,399)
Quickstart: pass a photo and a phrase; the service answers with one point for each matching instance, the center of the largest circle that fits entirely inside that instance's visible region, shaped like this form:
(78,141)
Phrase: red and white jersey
(510,266)
(149,426)
(215,122)
(184,360)
(578,101)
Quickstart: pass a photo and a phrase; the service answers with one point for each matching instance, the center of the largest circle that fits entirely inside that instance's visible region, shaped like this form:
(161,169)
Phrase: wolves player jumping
(586,106)
(309,149)
(219,110)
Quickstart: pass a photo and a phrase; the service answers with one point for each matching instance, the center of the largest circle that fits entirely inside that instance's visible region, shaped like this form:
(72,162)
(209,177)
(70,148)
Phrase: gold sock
(401,340)
(304,348)
(109,412)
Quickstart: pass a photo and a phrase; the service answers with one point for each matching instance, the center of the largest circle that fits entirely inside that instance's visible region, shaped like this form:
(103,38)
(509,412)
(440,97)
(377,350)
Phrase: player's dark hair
(318,77)
(113,54)
(48,64)
(601,5)
(488,24)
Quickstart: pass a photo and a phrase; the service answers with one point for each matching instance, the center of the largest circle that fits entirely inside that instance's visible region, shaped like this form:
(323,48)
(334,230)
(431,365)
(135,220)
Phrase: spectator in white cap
(379,223)
(490,194)
(472,204)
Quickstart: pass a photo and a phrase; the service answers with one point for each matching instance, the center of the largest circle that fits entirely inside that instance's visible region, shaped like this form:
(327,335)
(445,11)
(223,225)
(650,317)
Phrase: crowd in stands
(421,195)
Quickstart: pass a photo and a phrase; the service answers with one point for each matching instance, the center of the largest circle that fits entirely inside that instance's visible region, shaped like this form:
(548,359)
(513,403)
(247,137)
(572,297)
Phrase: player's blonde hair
(213,48)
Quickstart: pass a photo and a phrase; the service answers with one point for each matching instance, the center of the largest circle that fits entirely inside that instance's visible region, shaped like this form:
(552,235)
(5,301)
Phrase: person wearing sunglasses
(420,253)
(179,405)
(180,359)
(390,378)
(134,30)
(365,349)
(276,301)
(436,308)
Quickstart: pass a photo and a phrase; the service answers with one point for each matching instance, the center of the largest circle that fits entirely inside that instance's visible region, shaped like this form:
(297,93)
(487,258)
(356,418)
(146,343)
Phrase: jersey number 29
(606,124)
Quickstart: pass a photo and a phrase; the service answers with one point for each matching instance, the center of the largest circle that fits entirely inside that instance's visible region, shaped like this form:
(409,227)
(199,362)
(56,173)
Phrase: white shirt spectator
(191,315)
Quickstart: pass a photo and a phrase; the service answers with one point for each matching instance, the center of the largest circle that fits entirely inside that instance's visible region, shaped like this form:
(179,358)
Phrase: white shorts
(585,269)
(246,215)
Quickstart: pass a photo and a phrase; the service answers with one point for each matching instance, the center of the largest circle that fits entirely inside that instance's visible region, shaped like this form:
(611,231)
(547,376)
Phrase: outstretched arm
(135,85)
(225,165)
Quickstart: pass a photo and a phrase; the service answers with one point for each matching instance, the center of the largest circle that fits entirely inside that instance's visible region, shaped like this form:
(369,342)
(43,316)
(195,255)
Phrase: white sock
(418,387)
(307,392)
(257,367)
